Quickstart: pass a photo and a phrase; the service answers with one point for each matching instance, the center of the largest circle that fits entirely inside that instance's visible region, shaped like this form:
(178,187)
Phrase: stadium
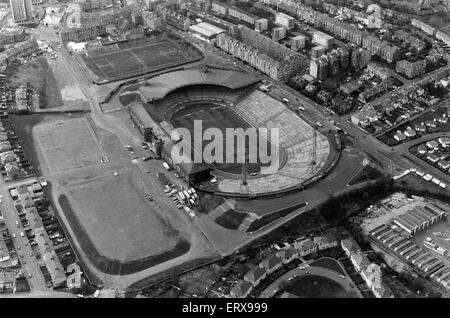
(226,99)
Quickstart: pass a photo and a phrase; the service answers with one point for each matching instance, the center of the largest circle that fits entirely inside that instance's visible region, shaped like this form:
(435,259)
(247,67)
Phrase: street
(23,248)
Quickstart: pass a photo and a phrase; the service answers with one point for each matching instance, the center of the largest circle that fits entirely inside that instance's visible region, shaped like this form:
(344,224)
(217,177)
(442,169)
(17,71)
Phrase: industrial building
(205,31)
(393,240)
(420,218)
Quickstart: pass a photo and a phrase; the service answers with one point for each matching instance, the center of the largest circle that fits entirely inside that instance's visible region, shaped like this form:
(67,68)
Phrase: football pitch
(220,117)
(136,60)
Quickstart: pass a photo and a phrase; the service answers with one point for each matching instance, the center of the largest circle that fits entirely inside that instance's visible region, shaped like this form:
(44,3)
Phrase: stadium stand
(303,152)
(296,140)
(158,87)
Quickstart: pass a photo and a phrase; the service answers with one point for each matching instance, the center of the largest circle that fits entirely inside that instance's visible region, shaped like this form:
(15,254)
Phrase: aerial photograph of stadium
(224,149)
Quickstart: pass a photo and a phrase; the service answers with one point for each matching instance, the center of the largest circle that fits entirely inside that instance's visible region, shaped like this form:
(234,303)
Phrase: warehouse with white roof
(205,31)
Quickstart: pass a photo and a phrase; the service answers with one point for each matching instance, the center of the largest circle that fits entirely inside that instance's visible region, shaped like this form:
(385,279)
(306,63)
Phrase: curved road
(345,282)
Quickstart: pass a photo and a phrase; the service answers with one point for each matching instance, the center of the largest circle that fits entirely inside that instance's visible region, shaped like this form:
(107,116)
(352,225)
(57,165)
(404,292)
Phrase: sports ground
(54,138)
(130,61)
(220,117)
(121,232)
(102,198)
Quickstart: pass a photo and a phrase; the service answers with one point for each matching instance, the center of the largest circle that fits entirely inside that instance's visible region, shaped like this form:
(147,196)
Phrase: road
(303,270)
(316,113)
(114,124)
(388,158)
(404,149)
(40,294)
(23,248)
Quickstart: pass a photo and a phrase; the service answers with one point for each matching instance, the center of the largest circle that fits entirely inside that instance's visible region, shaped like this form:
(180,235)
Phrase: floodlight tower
(314,152)
(244,173)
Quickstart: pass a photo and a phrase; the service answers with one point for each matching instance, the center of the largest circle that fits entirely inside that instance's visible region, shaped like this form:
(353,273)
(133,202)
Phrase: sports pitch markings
(136,59)
(68,145)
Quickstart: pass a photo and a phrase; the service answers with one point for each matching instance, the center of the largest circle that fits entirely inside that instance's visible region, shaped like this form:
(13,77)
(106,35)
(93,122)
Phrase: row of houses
(370,272)
(435,152)
(410,39)
(276,260)
(26,198)
(9,160)
(85,33)
(411,70)
(369,93)
(25,48)
(339,29)
(11,36)
(406,102)
(112,15)
(262,53)
(233,11)
(428,29)
(7,281)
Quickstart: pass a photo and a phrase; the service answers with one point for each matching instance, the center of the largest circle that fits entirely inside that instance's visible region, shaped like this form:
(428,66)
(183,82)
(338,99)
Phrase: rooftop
(158,87)
(206,29)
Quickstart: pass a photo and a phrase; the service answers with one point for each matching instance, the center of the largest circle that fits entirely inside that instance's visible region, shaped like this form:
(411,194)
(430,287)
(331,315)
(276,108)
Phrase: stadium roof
(159,86)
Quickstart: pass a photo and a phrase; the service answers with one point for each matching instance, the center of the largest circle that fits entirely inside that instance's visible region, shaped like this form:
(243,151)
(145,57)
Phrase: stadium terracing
(305,152)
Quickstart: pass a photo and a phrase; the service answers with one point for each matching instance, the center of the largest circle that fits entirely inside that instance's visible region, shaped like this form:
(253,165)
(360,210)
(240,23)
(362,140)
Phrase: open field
(118,230)
(54,83)
(134,237)
(367,173)
(136,60)
(314,286)
(329,263)
(56,137)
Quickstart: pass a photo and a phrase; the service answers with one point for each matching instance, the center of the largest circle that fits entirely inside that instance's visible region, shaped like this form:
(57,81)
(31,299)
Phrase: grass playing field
(138,231)
(56,137)
(136,60)
(214,116)
(314,286)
